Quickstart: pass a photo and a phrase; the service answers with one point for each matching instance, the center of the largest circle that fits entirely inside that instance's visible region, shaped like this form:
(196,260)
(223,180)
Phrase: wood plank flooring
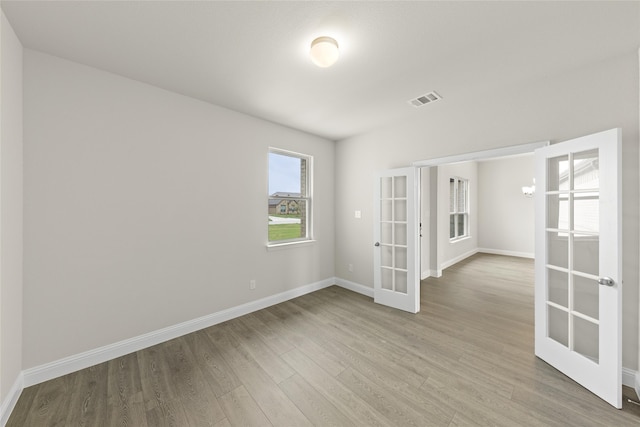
(334,358)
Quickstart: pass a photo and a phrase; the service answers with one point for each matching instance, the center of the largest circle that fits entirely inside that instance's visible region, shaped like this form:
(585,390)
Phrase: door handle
(606,281)
(377,244)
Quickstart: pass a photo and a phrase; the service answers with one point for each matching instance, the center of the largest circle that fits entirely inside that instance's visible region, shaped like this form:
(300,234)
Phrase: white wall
(557,107)
(637,385)
(425,220)
(450,252)
(10,209)
(144,209)
(429,219)
(507,217)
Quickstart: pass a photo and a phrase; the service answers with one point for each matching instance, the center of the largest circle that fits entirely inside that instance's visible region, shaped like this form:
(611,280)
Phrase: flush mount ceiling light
(324,51)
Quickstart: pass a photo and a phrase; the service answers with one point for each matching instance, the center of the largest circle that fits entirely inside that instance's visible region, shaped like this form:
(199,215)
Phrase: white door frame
(483,155)
(513,150)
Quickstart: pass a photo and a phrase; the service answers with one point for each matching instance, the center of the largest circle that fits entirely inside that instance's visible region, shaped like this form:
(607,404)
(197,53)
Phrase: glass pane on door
(400,258)
(558,287)
(586,339)
(393,233)
(586,254)
(386,210)
(558,211)
(572,242)
(386,257)
(401,281)
(400,234)
(400,186)
(386,189)
(386,233)
(386,278)
(400,210)
(558,173)
(586,170)
(558,325)
(558,249)
(585,296)
(586,212)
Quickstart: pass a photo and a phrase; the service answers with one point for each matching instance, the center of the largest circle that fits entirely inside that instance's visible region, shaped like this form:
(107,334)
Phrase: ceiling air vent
(425,99)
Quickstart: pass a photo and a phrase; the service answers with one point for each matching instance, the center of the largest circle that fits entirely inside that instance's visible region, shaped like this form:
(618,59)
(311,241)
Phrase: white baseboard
(355,287)
(11,399)
(48,371)
(466,255)
(89,358)
(507,253)
(430,273)
(456,260)
(629,377)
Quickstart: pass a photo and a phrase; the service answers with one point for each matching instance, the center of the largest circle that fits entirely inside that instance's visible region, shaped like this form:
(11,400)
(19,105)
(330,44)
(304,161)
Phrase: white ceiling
(252,57)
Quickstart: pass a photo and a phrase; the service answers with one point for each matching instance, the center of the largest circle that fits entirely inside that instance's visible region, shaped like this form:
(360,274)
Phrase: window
(289,208)
(458,208)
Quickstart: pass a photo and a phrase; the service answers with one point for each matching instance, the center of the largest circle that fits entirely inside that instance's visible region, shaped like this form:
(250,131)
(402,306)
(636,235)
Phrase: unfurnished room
(350,213)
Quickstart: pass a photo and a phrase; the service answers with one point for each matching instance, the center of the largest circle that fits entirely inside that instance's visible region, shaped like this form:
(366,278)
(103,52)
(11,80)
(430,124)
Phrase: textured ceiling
(252,56)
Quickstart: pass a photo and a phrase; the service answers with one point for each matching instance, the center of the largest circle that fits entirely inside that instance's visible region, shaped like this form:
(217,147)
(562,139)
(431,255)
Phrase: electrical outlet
(351,268)
(252,284)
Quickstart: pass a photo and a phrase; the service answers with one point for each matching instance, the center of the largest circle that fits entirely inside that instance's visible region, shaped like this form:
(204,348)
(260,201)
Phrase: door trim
(511,150)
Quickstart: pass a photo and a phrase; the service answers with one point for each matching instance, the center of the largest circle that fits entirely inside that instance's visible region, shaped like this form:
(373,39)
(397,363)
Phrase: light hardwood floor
(335,358)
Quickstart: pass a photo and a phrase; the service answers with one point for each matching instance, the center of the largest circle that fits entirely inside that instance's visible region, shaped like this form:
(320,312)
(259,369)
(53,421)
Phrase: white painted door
(578,262)
(396,247)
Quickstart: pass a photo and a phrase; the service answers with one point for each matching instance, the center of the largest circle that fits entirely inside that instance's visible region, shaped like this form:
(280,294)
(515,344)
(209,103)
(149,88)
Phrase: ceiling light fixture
(324,51)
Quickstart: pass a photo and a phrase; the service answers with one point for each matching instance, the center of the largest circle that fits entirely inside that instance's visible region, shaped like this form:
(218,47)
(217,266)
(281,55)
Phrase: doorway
(495,180)
(577,256)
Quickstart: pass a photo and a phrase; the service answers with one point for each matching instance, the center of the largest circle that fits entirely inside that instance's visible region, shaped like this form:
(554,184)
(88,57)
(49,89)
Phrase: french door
(578,261)
(396,254)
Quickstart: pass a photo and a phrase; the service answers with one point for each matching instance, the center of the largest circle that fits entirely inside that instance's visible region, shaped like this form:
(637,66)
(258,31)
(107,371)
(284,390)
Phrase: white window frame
(306,196)
(456,211)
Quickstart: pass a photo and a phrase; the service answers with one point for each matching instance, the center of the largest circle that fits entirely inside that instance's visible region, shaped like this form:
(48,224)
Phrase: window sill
(289,245)
(459,239)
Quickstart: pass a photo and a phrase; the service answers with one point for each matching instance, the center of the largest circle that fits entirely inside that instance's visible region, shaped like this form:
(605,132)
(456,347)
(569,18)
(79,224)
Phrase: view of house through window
(458,208)
(289,196)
